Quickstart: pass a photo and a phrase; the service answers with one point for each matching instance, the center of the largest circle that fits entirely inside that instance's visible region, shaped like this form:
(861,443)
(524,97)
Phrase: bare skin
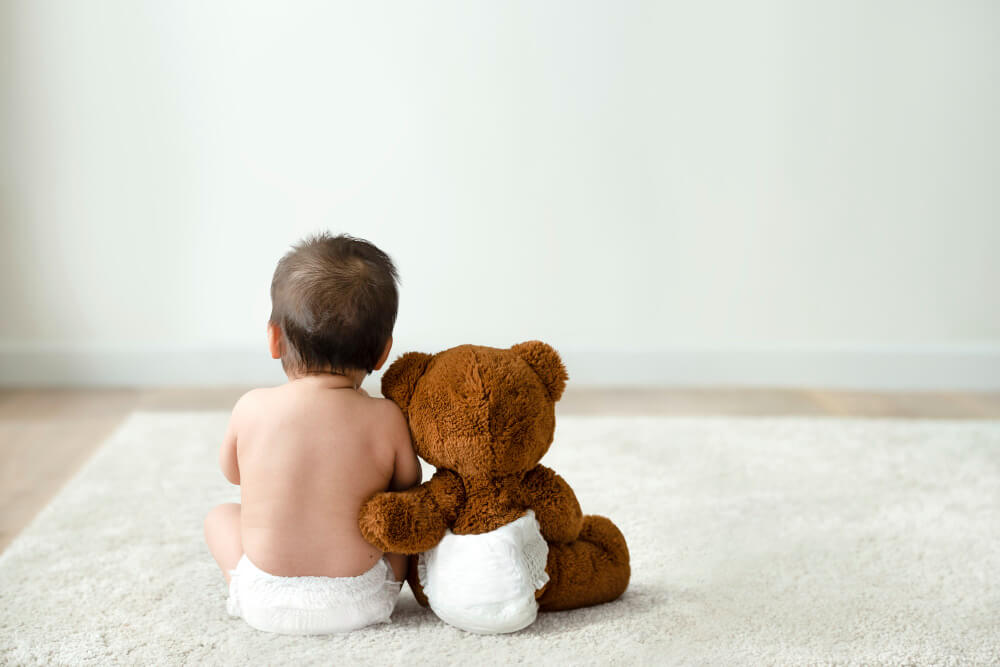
(306,455)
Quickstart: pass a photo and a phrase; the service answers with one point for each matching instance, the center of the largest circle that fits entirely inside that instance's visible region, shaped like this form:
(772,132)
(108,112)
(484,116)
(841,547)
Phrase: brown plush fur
(485,417)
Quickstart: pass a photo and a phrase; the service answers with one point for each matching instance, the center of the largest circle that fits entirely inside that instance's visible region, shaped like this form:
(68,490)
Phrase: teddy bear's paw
(385,521)
(396,523)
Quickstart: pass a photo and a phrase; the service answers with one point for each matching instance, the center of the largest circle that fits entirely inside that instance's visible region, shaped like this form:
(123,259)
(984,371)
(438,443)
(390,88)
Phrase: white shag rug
(777,541)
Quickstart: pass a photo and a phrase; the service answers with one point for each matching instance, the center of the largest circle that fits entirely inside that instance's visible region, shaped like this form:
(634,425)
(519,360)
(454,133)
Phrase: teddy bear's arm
(412,521)
(448,492)
(554,503)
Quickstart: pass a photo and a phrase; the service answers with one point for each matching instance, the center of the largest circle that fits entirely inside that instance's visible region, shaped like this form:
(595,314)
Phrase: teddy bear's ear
(545,361)
(400,380)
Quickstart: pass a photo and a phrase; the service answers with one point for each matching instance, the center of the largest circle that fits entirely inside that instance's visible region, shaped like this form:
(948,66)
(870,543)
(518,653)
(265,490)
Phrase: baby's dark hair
(334,299)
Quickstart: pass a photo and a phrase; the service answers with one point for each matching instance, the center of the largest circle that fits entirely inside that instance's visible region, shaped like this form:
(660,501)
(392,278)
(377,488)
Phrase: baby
(307,453)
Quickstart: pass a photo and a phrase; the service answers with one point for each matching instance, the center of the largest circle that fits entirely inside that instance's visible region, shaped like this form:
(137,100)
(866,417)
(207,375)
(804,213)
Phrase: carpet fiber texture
(753,540)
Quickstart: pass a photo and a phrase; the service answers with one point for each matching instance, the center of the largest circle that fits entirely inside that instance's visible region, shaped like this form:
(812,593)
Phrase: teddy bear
(500,537)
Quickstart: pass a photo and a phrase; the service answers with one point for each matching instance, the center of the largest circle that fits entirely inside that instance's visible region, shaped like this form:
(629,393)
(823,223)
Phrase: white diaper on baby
(486,583)
(311,605)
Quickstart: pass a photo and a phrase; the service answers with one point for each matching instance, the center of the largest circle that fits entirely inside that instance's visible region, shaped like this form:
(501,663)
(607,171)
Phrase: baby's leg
(222,534)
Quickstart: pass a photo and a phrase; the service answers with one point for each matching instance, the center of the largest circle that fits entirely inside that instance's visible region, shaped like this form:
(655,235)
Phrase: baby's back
(308,456)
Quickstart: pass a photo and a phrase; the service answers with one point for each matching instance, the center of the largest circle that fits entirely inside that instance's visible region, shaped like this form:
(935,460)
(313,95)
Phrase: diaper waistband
(323,590)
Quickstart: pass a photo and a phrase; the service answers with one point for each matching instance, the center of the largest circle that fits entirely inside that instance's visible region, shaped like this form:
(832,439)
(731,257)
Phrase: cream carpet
(783,541)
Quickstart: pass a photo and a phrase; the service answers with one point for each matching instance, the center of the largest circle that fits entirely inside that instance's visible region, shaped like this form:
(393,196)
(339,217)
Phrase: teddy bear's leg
(414,580)
(591,570)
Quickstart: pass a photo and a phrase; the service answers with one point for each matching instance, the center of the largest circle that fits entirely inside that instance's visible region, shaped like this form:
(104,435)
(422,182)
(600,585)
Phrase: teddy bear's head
(479,410)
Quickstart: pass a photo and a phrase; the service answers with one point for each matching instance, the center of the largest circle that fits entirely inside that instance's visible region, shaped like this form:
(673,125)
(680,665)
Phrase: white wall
(670,192)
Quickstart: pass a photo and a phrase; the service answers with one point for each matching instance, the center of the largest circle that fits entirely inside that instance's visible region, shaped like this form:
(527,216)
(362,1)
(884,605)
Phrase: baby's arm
(227,453)
(406,467)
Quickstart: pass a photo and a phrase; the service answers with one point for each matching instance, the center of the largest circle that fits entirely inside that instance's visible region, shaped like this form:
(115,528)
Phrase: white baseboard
(882,367)
(971,367)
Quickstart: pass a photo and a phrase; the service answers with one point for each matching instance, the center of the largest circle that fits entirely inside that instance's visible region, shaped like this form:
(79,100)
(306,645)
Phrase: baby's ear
(400,380)
(545,361)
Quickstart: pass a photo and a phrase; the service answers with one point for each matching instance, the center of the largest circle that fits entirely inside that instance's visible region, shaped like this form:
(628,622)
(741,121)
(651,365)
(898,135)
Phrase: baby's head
(333,307)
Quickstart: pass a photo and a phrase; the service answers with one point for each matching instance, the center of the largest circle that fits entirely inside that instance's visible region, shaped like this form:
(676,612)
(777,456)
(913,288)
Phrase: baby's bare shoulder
(385,417)
(254,397)
(250,403)
(388,410)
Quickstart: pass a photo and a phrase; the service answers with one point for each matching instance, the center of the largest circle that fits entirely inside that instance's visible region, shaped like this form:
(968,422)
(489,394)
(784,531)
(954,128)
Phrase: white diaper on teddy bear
(486,583)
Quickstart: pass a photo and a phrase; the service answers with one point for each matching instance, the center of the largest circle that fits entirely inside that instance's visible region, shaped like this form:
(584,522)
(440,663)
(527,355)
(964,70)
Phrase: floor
(46,434)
